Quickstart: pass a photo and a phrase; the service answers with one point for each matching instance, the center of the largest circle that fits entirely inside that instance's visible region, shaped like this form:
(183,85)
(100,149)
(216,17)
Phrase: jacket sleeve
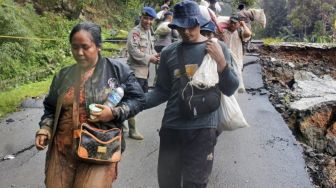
(161,91)
(134,98)
(133,45)
(228,80)
(49,104)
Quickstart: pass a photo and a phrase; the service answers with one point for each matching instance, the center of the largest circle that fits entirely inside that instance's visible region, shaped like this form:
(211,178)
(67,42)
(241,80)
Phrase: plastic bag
(230,115)
(163,29)
(206,75)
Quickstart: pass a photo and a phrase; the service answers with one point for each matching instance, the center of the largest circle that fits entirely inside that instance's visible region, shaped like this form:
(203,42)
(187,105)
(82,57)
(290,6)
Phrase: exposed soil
(315,127)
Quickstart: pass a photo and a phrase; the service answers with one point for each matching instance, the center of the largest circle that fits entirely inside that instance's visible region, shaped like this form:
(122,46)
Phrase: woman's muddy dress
(63,170)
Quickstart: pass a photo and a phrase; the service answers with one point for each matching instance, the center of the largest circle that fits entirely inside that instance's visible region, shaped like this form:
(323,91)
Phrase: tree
(276,14)
(312,19)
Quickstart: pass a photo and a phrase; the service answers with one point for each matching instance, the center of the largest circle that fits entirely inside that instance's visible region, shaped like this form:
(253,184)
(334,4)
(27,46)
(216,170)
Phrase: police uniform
(140,46)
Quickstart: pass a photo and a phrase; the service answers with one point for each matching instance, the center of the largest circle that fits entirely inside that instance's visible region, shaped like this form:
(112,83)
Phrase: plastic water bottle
(114,97)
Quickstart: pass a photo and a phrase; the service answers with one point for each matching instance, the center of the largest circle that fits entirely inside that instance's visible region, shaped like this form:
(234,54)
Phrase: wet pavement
(262,156)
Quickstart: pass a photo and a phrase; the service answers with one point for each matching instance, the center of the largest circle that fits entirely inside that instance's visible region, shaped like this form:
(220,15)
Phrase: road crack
(19,152)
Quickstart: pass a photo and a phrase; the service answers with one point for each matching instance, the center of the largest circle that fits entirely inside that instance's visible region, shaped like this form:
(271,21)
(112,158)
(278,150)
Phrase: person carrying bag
(84,140)
(199,96)
(92,144)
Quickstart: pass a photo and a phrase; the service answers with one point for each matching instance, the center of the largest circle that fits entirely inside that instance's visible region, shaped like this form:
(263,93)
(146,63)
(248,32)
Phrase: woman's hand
(104,116)
(216,52)
(41,141)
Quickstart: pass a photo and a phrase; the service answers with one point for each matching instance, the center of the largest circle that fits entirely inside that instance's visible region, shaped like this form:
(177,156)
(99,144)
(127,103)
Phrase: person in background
(208,30)
(160,14)
(245,15)
(214,6)
(140,47)
(234,35)
(249,16)
(92,74)
(167,2)
(164,35)
(186,150)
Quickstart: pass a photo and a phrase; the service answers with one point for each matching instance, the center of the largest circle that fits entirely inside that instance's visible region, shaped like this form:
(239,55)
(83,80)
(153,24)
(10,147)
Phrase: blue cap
(186,15)
(149,11)
(209,27)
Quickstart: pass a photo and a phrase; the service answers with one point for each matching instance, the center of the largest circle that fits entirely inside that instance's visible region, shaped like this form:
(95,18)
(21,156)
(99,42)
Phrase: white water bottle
(114,97)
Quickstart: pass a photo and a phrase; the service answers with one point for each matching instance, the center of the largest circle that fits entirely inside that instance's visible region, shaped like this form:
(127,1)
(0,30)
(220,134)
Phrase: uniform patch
(136,37)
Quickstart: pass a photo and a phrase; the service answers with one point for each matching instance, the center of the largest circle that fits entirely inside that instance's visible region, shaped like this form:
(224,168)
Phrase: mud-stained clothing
(186,145)
(63,169)
(187,153)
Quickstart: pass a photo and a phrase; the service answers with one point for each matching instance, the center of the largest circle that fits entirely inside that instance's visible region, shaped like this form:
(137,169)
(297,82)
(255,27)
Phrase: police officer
(140,46)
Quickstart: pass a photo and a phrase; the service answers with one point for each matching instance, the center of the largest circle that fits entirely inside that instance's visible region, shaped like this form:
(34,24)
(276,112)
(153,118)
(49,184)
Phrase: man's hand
(215,51)
(246,30)
(242,23)
(155,59)
(104,116)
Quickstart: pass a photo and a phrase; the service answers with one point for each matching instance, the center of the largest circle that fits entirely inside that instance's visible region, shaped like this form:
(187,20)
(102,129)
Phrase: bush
(271,41)
(33,46)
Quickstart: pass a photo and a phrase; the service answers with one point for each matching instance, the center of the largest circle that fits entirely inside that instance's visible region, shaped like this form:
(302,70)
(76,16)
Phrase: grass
(11,99)
(272,41)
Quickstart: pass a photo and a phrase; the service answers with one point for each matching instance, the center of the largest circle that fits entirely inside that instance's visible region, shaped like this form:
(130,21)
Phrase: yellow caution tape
(25,38)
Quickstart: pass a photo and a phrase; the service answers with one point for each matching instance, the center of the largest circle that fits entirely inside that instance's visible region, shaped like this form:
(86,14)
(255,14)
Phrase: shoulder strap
(180,58)
(75,106)
(240,34)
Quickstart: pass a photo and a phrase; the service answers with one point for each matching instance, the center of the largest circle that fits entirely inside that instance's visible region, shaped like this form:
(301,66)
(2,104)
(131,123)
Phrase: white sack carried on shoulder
(206,75)
(163,29)
(259,16)
(230,115)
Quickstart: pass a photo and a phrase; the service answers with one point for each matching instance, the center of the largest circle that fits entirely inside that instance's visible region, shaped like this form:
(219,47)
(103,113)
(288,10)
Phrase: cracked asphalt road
(262,156)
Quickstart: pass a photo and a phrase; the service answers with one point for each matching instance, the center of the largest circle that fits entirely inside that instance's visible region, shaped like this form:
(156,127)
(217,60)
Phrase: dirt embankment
(301,81)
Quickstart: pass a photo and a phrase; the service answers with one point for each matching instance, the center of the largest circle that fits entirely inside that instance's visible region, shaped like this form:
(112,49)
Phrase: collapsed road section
(301,82)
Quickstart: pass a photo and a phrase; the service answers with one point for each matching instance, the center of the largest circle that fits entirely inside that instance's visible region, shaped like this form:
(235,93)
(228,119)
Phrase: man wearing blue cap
(208,30)
(187,144)
(140,47)
(163,34)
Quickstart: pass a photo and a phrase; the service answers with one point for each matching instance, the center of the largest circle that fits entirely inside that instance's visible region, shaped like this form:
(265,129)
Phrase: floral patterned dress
(63,170)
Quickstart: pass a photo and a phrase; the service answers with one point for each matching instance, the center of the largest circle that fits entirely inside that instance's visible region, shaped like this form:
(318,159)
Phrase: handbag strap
(75,105)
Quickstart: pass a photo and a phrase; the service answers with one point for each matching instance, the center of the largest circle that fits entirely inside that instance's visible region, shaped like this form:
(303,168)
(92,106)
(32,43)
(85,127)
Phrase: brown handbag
(92,144)
(97,145)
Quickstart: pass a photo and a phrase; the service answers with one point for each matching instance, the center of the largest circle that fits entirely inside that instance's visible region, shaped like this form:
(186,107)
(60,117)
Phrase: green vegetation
(302,21)
(34,40)
(34,34)
(10,100)
(32,47)
(271,41)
